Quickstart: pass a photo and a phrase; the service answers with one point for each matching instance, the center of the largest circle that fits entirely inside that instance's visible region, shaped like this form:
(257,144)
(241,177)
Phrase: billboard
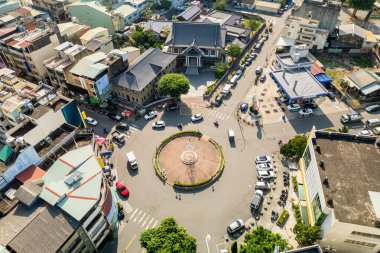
(103,86)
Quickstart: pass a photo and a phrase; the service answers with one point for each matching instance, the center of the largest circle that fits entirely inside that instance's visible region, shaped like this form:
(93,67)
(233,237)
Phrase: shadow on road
(304,125)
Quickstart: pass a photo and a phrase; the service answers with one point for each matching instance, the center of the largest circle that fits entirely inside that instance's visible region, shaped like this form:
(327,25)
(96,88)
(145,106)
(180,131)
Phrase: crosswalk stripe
(228,116)
(147,226)
(128,208)
(142,217)
(221,116)
(155,224)
(147,218)
(137,216)
(133,214)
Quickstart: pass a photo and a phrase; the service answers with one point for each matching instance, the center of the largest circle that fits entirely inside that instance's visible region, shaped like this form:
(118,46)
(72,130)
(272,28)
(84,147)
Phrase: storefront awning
(6,153)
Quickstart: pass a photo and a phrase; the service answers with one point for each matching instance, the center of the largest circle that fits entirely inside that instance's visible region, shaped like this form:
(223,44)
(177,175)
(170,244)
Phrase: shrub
(255,112)
(283,218)
(344,129)
(234,247)
(295,183)
(210,88)
(251,109)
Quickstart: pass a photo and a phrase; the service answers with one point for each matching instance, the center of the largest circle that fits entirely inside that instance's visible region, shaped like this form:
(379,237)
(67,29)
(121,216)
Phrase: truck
(257,199)
(351,117)
(117,136)
(226,90)
(132,160)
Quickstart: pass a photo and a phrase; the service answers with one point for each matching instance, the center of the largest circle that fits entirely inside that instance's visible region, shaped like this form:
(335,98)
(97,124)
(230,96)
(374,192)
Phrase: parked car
(366,133)
(265,174)
(235,226)
(263,159)
(294,107)
(264,166)
(196,117)
(218,100)
(257,199)
(248,61)
(311,105)
(372,108)
(260,185)
(259,70)
(244,107)
(305,112)
(150,115)
(172,107)
(263,78)
(122,126)
(114,116)
(253,56)
(158,124)
(239,73)
(91,121)
(120,186)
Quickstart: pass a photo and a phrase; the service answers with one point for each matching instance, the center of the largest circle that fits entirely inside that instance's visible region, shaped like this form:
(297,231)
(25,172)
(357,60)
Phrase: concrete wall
(340,237)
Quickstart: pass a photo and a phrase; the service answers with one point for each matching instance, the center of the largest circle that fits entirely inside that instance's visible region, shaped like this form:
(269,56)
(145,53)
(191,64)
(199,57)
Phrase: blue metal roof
(323,78)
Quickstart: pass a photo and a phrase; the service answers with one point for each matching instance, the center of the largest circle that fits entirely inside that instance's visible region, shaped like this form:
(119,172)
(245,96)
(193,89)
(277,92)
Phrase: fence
(236,62)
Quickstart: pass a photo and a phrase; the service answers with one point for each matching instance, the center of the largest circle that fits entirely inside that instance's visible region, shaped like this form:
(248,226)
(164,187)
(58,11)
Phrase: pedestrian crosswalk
(146,221)
(215,113)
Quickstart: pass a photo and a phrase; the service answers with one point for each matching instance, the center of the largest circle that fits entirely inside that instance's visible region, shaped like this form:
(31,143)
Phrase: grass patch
(283,218)
(361,61)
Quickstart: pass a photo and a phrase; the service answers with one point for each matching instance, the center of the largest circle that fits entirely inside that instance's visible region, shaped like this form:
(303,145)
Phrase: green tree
(360,5)
(168,237)
(144,39)
(233,50)
(220,68)
(174,85)
(306,235)
(295,147)
(220,5)
(166,4)
(252,24)
(262,240)
(234,247)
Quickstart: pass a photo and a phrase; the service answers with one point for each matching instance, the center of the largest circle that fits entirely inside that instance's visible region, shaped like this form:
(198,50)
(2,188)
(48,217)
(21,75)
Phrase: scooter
(180,126)
(216,123)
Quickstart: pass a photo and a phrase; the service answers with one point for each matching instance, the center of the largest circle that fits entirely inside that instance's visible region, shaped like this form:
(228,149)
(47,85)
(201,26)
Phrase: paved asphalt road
(210,211)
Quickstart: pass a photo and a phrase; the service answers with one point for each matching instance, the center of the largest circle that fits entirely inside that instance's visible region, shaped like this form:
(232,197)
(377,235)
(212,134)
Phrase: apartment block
(339,190)
(55,8)
(26,51)
(59,66)
(305,31)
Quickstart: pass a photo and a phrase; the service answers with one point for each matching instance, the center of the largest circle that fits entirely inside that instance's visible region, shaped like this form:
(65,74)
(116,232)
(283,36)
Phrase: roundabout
(188,159)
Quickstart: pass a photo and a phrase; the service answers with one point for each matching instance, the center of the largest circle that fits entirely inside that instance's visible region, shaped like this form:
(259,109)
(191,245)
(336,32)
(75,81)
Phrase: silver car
(235,226)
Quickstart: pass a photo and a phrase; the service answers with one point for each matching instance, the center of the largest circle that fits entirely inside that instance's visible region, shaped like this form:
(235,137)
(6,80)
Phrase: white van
(372,122)
(262,186)
(234,80)
(231,134)
(132,160)
(226,90)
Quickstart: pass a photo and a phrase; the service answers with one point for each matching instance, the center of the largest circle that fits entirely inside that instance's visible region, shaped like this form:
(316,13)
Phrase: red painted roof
(31,173)
(315,70)
(22,11)
(25,44)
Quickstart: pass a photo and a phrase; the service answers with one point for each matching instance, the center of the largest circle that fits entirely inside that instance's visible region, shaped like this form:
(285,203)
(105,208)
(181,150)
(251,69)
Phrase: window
(212,52)
(316,205)
(365,234)
(359,243)
(7,127)
(306,158)
(308,30)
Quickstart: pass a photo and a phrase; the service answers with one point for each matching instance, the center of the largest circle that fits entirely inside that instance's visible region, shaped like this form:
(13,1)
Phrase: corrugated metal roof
(323,78)
(31,173)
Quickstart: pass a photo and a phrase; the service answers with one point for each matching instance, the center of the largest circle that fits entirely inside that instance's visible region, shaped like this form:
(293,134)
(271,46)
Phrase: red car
(120,185)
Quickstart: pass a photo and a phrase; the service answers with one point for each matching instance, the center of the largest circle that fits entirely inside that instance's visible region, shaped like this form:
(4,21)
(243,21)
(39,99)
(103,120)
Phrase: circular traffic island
(188,160)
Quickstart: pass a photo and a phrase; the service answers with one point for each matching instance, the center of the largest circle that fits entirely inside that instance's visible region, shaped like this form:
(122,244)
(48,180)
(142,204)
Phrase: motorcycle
(180,126)
(105,130)
(216,123)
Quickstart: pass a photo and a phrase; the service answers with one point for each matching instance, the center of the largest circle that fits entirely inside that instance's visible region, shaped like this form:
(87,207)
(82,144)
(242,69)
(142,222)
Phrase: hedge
(295,183)
(283,218)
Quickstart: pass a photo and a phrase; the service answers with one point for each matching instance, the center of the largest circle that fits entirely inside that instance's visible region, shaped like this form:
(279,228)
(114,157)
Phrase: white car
(264,166)
(294,107)
(92,121)
(366,133)
(235,226)
(372,108)
(196,117)
(150,115)
(158,124)
(263,159)
(264,174)
(284,99)
(239,73)
(306,112)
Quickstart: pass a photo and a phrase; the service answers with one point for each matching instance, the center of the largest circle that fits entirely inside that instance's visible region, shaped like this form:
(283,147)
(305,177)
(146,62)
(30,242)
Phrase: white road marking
(155,224)
(142,217)
(133,214)
(147,226)
(147,218)
(208,238)
(128,208)
(137,216)
(228,116)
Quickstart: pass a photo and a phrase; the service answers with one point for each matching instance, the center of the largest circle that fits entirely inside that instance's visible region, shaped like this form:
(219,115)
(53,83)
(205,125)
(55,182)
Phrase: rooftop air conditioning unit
(20,141)
(11,141)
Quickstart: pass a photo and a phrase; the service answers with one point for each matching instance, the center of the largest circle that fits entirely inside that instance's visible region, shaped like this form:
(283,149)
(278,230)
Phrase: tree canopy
(361,5)
(252,24)
(262,240)
(306,235)
(233,50)
(168,237)
(220,68)
(295,147)
(143,39)
(174,85)
(220,5)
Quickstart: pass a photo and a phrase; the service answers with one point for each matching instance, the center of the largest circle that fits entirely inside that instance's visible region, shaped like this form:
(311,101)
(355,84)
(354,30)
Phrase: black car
(218,101)
(309,105)
(172,107)
(122,126)
(248,61)
(114,116)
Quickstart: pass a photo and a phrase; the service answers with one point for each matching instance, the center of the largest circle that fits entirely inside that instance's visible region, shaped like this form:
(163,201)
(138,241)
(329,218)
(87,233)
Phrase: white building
(305,31)
(338,186)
